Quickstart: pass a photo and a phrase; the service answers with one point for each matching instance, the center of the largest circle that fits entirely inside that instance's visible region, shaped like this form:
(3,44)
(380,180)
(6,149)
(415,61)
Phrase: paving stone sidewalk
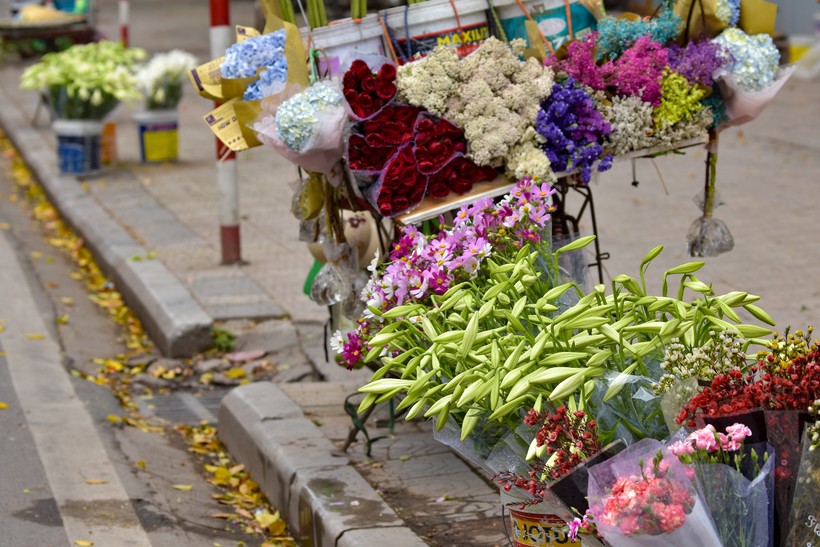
(160,223)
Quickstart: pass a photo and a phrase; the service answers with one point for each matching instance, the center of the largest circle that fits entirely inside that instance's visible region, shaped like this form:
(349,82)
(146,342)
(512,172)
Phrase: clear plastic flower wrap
(644,496)
(804,521)
(629,406)
(307,128)
(740,494)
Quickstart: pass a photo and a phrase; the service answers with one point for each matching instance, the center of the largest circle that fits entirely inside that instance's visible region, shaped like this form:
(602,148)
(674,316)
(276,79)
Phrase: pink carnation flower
(738,432)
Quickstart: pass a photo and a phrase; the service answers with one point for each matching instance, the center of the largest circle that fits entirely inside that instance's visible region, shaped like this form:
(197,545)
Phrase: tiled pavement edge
(176,322)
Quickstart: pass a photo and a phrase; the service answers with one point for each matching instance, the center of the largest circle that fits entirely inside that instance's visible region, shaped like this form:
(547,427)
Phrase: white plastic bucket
(551,16)
(434,23)
(345,39)
(78,146)
(158,134)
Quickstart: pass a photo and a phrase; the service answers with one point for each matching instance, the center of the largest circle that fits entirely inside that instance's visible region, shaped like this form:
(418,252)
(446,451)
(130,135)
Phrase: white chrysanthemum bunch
(492,95)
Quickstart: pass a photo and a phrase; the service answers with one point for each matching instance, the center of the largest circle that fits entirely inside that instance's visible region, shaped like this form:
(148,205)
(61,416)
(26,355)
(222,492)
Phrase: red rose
(407,114)
(370,126)
(351,96)
(438,189)
(406,155)
(424,124)
(462,186)
(400,203)
(369,84)
(385,90)
(387,73)
(460,146)
(359,68)
(488,173)
(374,139)
(408,176)
(349,81)
(417,193)
(424,138)
(365,102)
(426,167)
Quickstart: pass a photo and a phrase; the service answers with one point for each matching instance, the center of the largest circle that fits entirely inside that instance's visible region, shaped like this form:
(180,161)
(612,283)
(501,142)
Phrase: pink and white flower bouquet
(644,496)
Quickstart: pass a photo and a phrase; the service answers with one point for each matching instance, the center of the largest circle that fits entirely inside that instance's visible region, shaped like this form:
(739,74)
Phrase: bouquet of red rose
(645,496)
(398,150)
(366,91)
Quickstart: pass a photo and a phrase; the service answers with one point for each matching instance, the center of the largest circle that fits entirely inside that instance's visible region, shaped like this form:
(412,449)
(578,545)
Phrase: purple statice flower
(573,129)
(639,70)
(697,62)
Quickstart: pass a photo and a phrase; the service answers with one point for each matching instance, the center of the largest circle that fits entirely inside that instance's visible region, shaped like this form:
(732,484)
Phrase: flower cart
(576,399)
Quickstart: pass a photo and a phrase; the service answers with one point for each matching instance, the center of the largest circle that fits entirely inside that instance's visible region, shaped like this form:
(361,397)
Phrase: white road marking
(66,439)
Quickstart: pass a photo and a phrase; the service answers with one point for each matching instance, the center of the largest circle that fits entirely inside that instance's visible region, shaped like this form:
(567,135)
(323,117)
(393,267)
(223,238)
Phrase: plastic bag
(709,236)
(307,128)
(634,412)
(804,528)
(673,401)
(742,508)
(644,496)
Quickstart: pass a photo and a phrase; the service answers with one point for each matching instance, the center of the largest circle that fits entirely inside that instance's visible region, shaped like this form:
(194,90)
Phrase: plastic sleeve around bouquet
(742,507)
(804,521)
(744,106)
(633,412)
(784,429)
(638,502)
(305,126)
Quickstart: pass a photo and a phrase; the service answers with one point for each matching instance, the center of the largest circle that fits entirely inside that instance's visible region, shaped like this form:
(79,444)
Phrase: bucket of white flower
(420,27)
(344,39)
(158,132)
(160,81)
(78,146)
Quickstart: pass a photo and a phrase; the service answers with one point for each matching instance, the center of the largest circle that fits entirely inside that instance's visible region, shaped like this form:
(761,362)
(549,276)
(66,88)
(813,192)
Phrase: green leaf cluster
(499,344)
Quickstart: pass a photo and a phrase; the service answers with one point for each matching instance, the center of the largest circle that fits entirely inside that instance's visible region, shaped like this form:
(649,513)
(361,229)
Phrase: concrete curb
(176,322)
(325,501)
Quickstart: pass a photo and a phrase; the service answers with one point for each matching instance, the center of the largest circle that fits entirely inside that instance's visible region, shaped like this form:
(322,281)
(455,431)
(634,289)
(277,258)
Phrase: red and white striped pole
(124,22)
(226,177)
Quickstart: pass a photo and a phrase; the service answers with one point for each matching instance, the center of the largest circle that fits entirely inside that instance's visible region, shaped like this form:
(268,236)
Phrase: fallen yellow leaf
(63,319)
(36,254)
(83,542)
(5,226)
(3,406)
(114,419)
(67,300)
(35,336)
(95,481)
(235,373)
(183,487)
(141,464)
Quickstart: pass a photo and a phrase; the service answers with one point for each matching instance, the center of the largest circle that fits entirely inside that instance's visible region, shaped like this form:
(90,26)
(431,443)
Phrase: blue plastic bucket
(78,146)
